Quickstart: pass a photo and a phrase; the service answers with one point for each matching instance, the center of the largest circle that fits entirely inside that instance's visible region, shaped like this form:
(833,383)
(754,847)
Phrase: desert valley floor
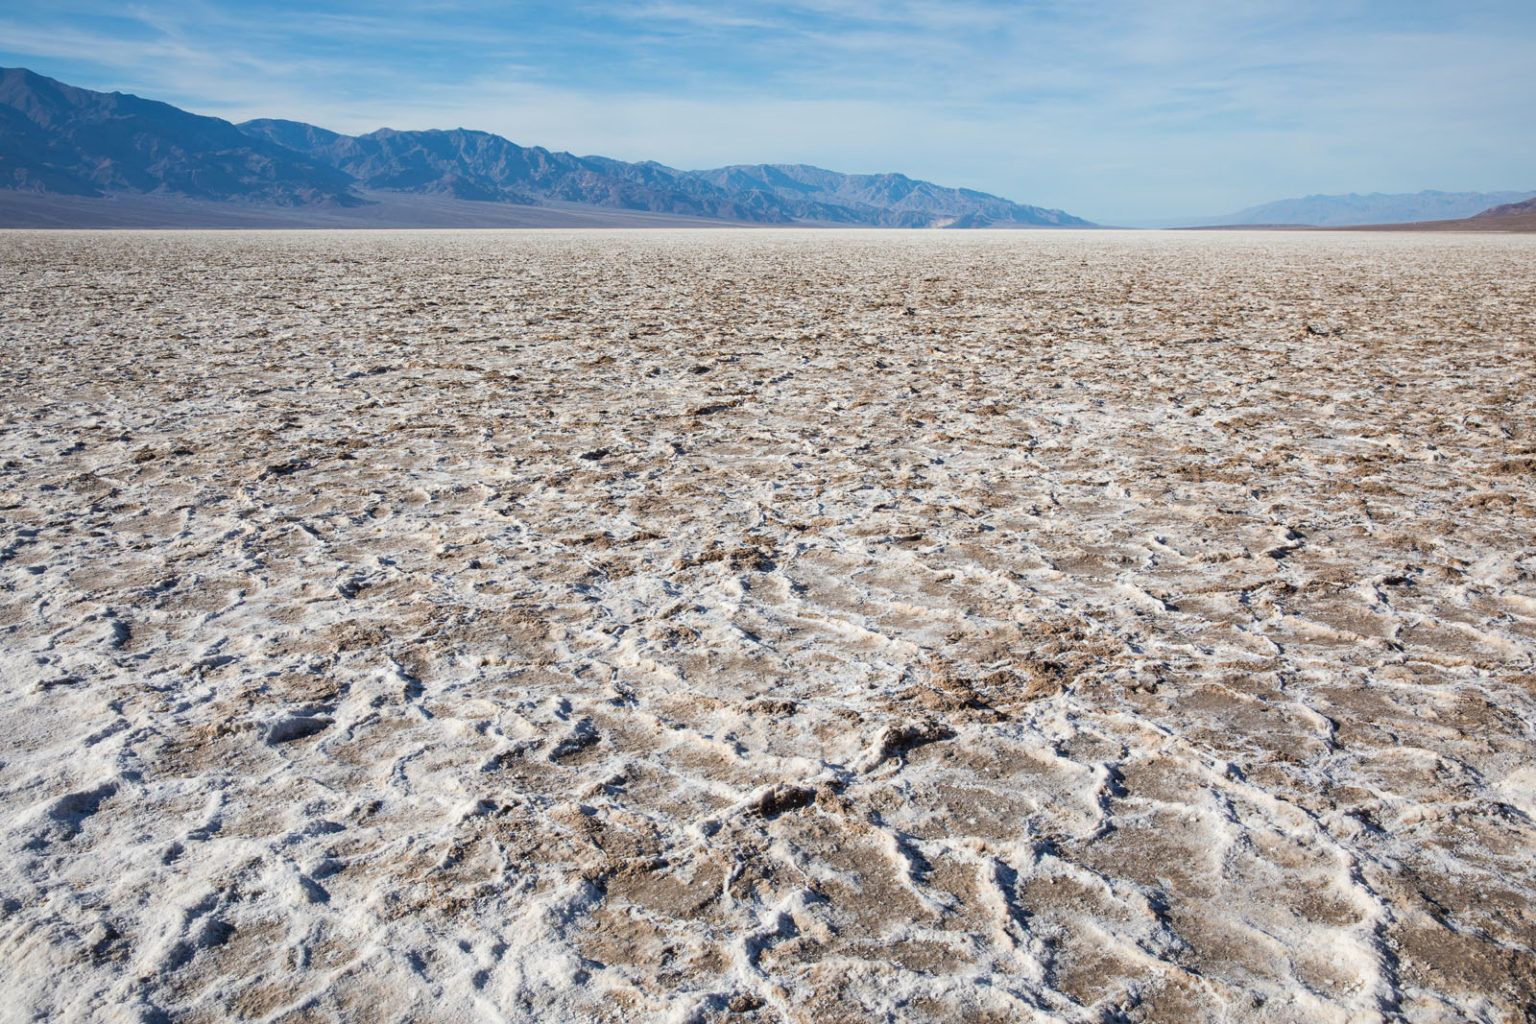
(774,626)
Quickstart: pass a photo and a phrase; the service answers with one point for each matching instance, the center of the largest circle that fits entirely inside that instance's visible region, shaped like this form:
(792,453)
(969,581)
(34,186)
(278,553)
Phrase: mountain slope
(1375,208)
(1509,218)
(478,165)
(60,139)
(886,199)
(381,209)
(1510,210)
(481,166)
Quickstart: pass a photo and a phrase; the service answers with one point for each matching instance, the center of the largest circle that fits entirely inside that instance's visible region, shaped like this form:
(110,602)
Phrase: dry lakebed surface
(774,626)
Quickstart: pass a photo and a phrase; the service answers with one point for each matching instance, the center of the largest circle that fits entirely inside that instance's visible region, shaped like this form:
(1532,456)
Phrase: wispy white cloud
(1117,109)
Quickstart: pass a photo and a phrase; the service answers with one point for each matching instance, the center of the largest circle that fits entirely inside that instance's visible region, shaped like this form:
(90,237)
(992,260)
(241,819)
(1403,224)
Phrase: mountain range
(1511,217)
(1375,208)
(74,156)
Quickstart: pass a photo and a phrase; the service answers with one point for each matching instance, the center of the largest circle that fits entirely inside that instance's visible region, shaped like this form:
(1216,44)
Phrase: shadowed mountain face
(57,139)
(481,166)
(478,165)
(887,199)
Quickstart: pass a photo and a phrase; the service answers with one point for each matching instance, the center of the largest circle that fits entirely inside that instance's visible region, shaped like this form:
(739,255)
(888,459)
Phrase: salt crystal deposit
(795,626)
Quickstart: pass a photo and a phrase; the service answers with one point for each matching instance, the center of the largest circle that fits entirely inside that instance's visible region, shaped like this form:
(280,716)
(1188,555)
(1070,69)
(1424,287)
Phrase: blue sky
(1124,111)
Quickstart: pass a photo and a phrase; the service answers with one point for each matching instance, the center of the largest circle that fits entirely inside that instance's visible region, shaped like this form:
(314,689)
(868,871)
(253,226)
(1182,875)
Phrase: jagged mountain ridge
(479,165)
(896,194)
(62,140)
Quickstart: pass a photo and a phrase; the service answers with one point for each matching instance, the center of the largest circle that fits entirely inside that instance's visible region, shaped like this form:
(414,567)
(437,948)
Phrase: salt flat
(767,626)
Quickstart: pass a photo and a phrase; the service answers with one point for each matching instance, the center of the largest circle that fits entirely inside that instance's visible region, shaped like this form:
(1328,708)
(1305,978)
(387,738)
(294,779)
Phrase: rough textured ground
(775,626)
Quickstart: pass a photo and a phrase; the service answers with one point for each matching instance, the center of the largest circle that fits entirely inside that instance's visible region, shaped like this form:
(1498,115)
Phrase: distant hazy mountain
(1526,208)
(57,140)
(1510,217)
(1375,208)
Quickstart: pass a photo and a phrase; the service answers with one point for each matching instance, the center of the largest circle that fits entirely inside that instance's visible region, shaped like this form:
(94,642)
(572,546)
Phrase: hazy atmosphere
(1120,111)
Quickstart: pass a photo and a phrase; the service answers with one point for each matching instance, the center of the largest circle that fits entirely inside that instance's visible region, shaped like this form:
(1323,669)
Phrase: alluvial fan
(773,626)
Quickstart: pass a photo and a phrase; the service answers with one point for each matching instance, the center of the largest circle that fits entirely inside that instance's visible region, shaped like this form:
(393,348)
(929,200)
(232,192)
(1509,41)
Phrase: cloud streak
(1121,110)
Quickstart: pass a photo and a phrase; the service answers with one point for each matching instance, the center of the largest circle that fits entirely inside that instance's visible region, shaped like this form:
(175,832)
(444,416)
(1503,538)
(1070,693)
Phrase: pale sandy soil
(768,626)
